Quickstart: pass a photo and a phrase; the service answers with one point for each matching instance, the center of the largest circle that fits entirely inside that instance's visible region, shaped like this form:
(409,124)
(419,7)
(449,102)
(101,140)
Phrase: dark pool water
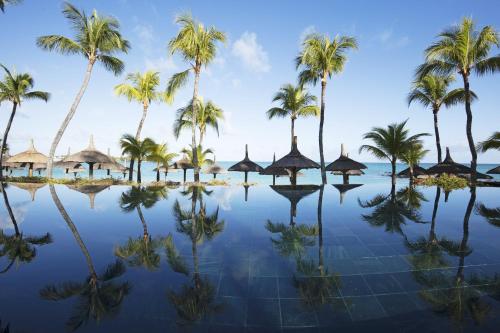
(207,260)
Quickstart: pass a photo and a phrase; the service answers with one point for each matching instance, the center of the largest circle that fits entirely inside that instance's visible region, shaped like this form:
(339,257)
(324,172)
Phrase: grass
(66,181)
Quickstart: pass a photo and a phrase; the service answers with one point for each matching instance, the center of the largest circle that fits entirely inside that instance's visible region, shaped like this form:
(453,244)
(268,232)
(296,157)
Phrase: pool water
(257,259)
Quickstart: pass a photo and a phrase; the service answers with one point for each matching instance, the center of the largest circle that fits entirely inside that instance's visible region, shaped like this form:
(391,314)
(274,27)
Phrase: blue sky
(263,40)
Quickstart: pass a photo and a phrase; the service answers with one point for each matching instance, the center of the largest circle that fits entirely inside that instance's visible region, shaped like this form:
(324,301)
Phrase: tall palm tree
(143,89)
(15,88)
(209,115)
(464,50)
(97,39)
(413,156)
(202,155)
(99,296)
(138,149)
(432,92)
(493,142)
(18,247)
(295,102)
(8,2)
(320,58)
(197,45)
(160,155)
(142,251)
(391,143)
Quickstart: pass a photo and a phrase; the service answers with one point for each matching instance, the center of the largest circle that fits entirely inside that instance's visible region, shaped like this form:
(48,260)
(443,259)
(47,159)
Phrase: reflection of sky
(19,209)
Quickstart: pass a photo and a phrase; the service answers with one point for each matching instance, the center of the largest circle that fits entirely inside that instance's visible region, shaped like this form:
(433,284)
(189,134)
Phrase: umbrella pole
(109,172)
(215,175)
(184,175)
(345,177)
(246,193)
(293,179)
(246,177)
(30,170)
(274,180)
(91,170)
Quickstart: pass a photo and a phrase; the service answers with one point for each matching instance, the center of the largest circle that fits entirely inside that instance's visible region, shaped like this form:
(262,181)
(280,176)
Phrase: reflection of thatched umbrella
(29,157)
(343,188)
(246,166)
(184,163)
(77,169)
(30,187)
(90,190)
(449,166)
(295,161)
(294,194)
(89,155)
(271,170)
(215,169)
(494,171)
(345,165)
(417,171)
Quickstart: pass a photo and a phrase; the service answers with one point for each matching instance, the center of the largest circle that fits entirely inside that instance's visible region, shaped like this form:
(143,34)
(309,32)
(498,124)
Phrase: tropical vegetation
(137,149)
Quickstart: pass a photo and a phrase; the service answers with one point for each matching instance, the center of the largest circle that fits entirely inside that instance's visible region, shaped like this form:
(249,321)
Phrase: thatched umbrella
(449,166)
(494,171)
(215,169)
(343,188)
(246,166)
(294,194)
(417,171)
(77,169)
(30,187)
(111,167)
(345,165)
(90,190)
(89,155)
(271,170)
(29,157)
(66,166)
(184,163)
(295,161)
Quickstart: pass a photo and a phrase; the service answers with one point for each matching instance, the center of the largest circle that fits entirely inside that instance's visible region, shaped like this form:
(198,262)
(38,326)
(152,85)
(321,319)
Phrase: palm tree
(97,39)
(432,92)
(15,88)
(18,248)
(493,142)
(320,58)
(197,46)
(391,143)
(295,102)
(464,50)
(208,113)
(99,296)
(8,2)
(138,149)
(143,89)
(201,154)
(413,156)
(160,155)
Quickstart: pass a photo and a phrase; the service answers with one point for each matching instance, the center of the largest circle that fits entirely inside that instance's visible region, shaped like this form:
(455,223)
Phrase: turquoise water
(217,259)
(374,173)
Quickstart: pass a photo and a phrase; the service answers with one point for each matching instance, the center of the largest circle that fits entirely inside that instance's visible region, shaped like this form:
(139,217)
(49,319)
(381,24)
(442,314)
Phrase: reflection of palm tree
(196,300)
(99,296)
(294,238)
(392,210)
(492,215)
(141,251)
(17,247)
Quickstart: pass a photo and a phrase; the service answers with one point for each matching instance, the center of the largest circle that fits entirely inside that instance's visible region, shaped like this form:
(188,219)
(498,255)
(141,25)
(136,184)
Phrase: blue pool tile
(407,281)
(231,311)
(381,250)
(263,312)
(263,287)
(368,265)
(364,308)
(353,285)
(383,283)
(398,305)
(231,285)
(333,313)
(295,312)
(394,264)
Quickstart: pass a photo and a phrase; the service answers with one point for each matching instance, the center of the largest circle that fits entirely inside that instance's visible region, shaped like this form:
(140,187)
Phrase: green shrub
(447,182)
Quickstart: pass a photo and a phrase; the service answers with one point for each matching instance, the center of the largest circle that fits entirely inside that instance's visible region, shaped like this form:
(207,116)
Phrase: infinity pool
(258,259)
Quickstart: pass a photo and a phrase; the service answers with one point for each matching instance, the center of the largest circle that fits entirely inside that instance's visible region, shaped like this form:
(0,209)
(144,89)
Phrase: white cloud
(161,64)
(146,36)
(388,39)
(251,53)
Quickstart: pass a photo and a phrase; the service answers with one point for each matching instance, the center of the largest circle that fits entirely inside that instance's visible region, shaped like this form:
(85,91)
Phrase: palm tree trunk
(5,135)
(432,234)
(157,172)
(320,230)
(137,137)
(9,208)
(196,170)
(321,122)
(393,171)
(436,134)
(74,230)
(143,221)
(292,130)
(411,174)
(68,118)
(465,235)
(139,170)
(468,128)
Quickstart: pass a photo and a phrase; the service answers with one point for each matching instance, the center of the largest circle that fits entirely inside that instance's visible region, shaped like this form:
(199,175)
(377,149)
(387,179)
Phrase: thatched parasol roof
(246,165)
(343,188)
(349,172)
(417,171)
(184,163)
(494,171)
(214,169)
(295,160)
(294,194)
(274,171)
(115,166)
(90,190)
(30,187)
(344,163)
(29,156)
(89,155)
(451,167)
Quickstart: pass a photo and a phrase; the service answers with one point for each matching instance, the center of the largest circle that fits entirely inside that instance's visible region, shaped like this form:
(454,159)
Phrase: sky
(264,38)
